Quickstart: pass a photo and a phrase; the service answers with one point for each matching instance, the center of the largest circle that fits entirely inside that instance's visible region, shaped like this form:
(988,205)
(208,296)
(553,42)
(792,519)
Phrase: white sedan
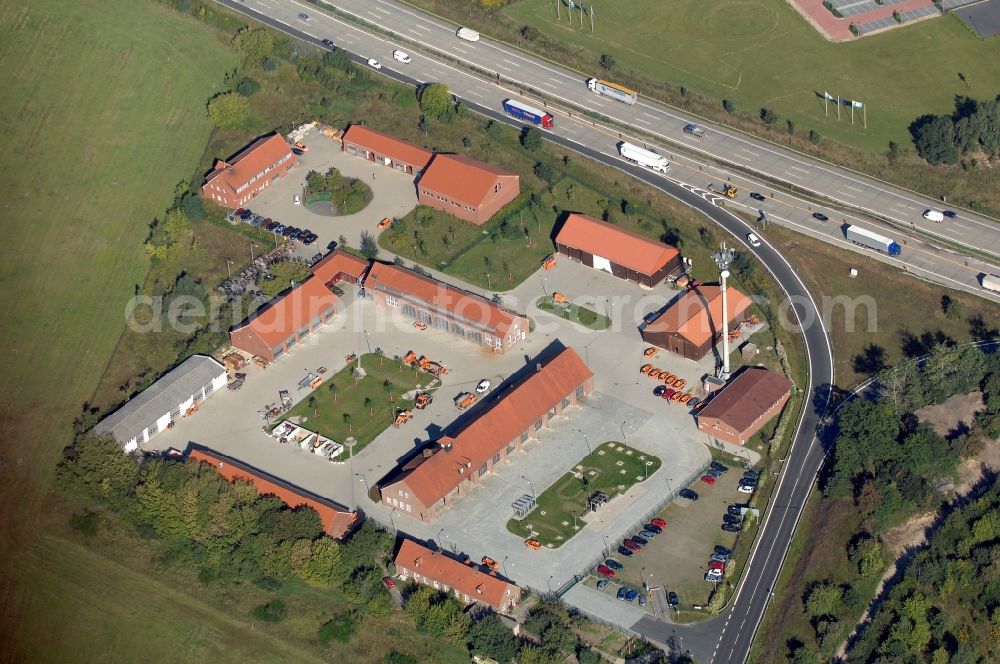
(374,64)
(484,385)
(746,488)
(753,240)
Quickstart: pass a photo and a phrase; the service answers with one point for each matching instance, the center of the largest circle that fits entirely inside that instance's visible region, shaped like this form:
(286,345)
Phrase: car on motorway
(757,197)
(602,584)
(716,564)
(483,386)
(746,488)
(328,43)
(951,214)
(631,595)
(604,570)
(374,64)
(614,564)
(753,240)
(303,16)
(732,527)
(658,522)
(296,200)
(695,130)
(652,527)
(708,479)
(819,216)
(632,546)
(625,551)
(672,599)
(388,582)
(402,56)
(622,592)
(689,494)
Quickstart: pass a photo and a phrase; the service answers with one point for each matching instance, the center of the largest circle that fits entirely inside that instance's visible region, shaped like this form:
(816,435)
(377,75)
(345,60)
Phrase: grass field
(902,316)
(341,394)
(762,53)
(575,313)
(612,468)
(97,130)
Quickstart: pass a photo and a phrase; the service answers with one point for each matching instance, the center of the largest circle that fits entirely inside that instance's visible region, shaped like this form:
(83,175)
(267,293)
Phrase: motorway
(728,637)
(946,265)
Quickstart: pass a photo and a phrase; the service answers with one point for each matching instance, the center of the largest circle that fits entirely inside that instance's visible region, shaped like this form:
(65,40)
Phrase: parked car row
(717,563)
(633,545)
(714,472)
(748,483)
(303,235)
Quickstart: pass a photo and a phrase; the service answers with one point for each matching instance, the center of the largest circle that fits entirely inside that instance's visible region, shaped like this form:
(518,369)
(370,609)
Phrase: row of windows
(399,504)
(442,323)
(293,339)
(448,201)
(263,173)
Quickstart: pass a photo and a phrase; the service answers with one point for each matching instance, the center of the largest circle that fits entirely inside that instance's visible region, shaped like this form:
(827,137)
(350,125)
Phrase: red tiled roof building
(464,314)
(337,520)
(747,402)
(286,321)
(625,254)
(693,323)
(466,583)
(466,188)
(443,475)
(385,150)
(234,182)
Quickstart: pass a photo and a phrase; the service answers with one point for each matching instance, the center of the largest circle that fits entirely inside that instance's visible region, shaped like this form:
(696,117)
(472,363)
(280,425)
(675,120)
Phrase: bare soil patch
(948,416)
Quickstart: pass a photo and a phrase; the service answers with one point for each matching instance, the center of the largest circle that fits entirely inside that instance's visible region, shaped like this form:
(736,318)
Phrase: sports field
(763,53)
(103,112)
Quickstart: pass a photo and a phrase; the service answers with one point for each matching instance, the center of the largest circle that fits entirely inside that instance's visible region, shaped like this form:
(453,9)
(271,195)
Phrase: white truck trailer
(643,157)
(991,282)
(867,238)
(613,90)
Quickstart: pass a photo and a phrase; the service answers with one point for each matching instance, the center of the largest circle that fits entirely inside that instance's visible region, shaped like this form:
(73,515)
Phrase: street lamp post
(586,440)
(607,547)
(530,486)
(393,521)
(624,435)
(723,258)
(229,270)
(669,488)
(439,538)
(365,480)
(504,565)
(548,582)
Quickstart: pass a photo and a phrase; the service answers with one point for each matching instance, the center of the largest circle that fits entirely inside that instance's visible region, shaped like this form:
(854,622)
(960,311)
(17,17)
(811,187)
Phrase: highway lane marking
(842,193)
(860,191)
(509,62)
(473,92)
(792,175)
(651,117)
(739,156)
(644,122)
(756,154)
(500,66)
(420,27)
(552,85)
(800,170)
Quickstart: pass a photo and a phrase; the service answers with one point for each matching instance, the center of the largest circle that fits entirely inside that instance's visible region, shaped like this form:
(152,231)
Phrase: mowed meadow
(103,110)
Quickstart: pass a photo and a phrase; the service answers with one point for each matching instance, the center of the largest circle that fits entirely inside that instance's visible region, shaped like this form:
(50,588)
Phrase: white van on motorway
(468,34)
(402,56)
(933,215)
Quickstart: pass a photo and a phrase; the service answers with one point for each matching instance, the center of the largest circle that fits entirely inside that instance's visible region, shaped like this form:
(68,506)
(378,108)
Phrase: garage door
(602,264)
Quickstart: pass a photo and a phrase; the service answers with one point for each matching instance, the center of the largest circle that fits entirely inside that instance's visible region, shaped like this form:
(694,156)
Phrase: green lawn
(612,468)
(762,53)
(575,313)
(323,411)
(103,113)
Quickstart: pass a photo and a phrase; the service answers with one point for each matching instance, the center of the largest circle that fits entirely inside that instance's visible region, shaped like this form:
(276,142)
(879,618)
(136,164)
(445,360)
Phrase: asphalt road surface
(948,266)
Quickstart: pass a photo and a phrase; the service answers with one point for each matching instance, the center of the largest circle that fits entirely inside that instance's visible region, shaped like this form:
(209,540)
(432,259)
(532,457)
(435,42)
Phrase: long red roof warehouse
(438,294)
(337,522)
(462,179)
(618,245)
(504,420)
(466,580)
(395,148)
(293,311)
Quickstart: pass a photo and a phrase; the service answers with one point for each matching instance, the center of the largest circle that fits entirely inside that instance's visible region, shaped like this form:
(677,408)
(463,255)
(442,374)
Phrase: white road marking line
(500,66)
(651,117)
(553,85)
(744,158)
(847,186)
(556,80)
(800,170)
(794,175)
(644,122)
(844,193)
(751,152)
(420,27)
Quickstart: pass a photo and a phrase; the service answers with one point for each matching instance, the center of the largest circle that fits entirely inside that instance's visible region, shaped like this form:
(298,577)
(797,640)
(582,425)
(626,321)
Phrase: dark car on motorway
(672,599)
(950,214)
(652,527)
(819,216)
(614,564)
(328,43)
(731,528)
(689,494)
(625,551)
(757,197)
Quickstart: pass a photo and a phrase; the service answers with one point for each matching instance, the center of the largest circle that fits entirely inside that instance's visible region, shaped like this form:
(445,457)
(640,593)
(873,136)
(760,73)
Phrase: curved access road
(726,638)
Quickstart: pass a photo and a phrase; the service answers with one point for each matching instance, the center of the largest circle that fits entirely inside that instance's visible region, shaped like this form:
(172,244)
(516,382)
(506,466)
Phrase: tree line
(974,126)
(889,465)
